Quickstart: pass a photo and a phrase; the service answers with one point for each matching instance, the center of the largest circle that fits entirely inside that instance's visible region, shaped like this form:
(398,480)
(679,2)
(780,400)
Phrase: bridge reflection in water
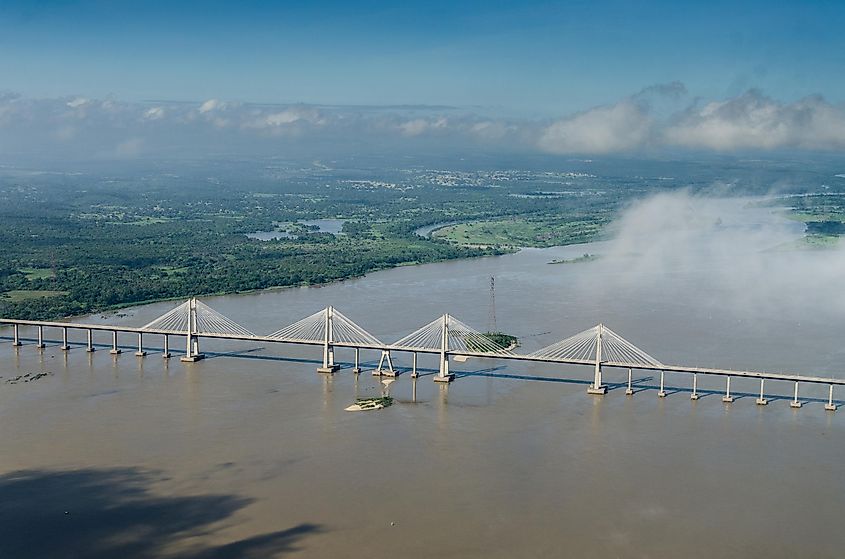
(598,347)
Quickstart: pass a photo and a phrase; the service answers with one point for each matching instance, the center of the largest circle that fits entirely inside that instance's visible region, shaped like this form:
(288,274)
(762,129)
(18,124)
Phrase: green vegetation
(823,217)
(37,273)
(91,241)
(97,237)
(502,340)
(18,295)
(540,231)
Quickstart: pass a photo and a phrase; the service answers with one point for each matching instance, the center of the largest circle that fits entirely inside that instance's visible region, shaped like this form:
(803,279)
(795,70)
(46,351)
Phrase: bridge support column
(166,354)
(727,398)
(114,349)
(17,340)
(443,374)
(65,346)
(328,349)
(762,401)
(192,350)
(830,406)
(40,344)
(694,395)
(357,368)
(414,373)
(795,403)
(140,352)
(90,341)
(630,390)
(597,387)
(380,371)
(662,392)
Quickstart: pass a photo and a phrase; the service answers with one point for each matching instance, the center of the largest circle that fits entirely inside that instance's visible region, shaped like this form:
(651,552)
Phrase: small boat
(367,404)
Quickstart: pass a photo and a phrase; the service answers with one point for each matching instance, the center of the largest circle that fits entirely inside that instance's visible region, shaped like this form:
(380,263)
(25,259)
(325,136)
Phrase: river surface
(250,454)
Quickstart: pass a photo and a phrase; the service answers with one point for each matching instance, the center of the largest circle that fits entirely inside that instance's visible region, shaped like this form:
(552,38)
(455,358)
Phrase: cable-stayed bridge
(447,337)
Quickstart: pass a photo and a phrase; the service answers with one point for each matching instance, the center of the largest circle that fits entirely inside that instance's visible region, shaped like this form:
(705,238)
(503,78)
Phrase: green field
(18,295)
(521,232)
(38,273)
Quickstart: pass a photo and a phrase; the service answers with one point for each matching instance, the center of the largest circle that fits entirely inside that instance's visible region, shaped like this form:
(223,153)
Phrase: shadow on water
(96,513)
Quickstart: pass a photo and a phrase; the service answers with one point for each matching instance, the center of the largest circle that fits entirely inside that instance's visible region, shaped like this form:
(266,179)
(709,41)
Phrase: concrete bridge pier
(40,344)
(380,370)
(662,392)
(17,341)
(65,346)
(762,401)
(795,403)
(414,373)
(630,390)
(357,368)
(694,396)
(140,352)
(192,350)
(90,341)
(166,354)
(727,398)
(830,406)
(114,349)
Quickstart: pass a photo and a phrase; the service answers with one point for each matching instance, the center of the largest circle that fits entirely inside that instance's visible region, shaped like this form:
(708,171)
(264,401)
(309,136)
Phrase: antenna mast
(491,318)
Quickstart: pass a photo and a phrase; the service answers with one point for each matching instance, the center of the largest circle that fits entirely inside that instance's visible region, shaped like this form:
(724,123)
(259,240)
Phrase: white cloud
(155,113)
(212,105)
(655,118)
(418,126)
(624,126)
(754,121)
(77,102)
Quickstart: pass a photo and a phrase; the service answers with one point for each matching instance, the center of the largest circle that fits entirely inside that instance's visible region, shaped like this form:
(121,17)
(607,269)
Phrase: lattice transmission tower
(491,311)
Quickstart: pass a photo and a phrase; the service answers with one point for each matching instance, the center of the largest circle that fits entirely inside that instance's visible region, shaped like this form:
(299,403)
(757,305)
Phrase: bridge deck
(783,376)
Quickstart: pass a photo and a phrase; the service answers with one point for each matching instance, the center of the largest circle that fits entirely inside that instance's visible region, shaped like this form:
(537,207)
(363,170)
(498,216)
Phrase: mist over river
(250,453)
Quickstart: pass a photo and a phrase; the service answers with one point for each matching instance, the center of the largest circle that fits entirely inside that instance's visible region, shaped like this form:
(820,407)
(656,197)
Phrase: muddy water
(249,453)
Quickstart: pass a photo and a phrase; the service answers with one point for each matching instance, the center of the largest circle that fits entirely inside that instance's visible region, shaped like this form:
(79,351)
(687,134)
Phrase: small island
(586,257)
(503,341)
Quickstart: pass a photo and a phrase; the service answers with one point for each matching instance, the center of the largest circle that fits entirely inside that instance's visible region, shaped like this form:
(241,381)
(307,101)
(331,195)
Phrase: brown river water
(250,453)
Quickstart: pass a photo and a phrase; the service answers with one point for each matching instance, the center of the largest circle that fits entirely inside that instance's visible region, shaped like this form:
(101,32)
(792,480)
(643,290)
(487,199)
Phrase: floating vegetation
(367,404)
(28,377)
(586,257)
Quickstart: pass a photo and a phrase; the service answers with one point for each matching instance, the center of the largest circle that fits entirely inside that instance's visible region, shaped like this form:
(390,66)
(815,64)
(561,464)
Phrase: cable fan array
(208,321)
(313,329)
(460,337)
(582,347)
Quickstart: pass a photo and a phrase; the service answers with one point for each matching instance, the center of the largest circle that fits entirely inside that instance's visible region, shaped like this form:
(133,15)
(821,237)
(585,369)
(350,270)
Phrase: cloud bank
(659,117)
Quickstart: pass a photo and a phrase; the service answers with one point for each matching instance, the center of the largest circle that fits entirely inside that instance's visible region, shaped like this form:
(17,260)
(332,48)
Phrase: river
(249,453)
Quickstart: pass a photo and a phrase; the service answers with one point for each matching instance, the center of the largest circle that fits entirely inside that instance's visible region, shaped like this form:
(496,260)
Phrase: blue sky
(105,79)
(526,58)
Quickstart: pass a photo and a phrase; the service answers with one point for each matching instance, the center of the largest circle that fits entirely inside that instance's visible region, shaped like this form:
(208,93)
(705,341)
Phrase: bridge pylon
(192,347)
(329,365)
(443,375)
(597,387)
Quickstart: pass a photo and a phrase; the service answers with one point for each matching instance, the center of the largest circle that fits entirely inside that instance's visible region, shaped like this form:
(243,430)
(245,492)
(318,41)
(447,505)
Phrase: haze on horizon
(104,80)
